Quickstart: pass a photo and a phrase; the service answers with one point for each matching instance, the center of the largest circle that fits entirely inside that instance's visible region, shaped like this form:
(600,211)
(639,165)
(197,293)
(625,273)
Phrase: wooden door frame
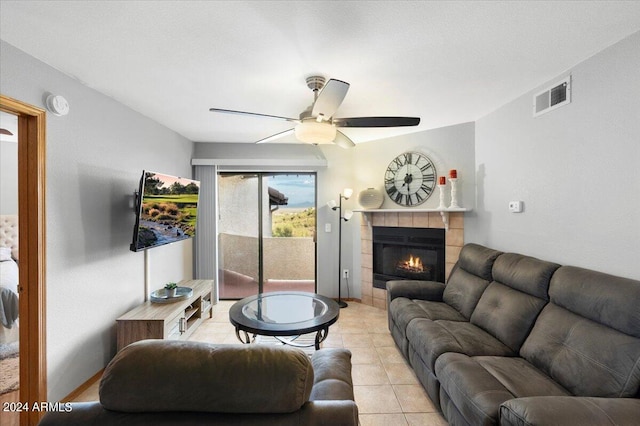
(32,260)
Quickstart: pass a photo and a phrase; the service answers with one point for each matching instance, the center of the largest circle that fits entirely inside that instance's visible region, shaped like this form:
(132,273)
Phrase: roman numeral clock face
(410,179)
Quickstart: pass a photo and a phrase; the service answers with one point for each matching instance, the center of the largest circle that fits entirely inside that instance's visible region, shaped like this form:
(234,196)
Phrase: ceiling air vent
(559,94)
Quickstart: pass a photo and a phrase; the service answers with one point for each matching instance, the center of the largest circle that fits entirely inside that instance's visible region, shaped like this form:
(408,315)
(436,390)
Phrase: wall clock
(410,179)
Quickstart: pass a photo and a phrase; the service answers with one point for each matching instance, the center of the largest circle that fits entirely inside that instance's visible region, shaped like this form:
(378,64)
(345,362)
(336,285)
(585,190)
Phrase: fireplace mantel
(444,213)
(460,209)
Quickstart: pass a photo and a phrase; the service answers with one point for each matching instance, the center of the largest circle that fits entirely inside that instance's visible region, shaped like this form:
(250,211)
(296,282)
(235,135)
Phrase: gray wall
(95,156)
(577,169)
(360,168)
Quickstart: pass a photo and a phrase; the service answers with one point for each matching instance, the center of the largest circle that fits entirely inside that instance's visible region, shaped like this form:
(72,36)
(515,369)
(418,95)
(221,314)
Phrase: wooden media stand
(172,321)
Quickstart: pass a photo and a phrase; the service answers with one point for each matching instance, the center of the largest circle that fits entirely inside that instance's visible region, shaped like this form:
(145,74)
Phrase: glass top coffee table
(286,315)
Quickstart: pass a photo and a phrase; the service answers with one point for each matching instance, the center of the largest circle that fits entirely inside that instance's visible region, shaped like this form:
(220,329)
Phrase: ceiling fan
(317,125)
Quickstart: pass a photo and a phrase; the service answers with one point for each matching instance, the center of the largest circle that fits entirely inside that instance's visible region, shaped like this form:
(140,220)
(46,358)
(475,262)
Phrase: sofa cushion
(587,358)
(438,311)
(469,278)
(210,378)
(477,386)
(402,311)
(524,273)
(606,299)
(507,314)
(511,303)
(570,410)
(478,260)
(430,339)
(405,310)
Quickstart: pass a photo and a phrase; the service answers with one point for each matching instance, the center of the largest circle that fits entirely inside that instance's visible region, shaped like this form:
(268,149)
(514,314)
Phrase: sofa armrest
(570,410)
(318,413)
(415,289)
(332,375)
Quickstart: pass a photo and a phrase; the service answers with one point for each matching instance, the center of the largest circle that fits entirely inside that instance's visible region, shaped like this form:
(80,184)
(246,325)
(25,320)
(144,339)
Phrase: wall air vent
(553,97)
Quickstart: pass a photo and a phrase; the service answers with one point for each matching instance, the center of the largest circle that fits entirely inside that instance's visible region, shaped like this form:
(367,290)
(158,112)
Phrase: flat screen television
(166,210)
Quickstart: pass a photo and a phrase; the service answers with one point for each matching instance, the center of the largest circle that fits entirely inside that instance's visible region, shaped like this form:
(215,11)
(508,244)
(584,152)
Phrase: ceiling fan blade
(330,98)
(376,121)
(276,136)
(343,140)
(230,111)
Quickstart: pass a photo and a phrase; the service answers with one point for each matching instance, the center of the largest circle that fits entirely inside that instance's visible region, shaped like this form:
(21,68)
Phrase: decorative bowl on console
(163,295)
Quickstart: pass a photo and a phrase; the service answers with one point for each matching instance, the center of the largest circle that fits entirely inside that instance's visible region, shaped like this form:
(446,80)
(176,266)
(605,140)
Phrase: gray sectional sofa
(515,340)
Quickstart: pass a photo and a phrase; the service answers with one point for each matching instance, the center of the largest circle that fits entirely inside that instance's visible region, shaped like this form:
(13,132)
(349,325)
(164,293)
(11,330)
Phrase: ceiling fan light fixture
(317,125)
(311,131)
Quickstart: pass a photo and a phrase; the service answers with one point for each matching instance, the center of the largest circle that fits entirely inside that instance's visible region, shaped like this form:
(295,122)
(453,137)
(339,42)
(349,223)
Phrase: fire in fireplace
(407,253)
(413,266)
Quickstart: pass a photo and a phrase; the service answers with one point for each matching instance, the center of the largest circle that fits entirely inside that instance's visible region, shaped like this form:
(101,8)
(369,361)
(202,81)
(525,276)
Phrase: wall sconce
(346,194)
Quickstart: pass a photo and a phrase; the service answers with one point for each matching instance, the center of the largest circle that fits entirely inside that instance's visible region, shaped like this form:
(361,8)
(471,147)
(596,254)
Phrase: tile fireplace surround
(454,240)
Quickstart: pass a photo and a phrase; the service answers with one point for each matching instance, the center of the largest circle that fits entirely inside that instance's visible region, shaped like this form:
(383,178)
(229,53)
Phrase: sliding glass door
(238,235)
(266,233)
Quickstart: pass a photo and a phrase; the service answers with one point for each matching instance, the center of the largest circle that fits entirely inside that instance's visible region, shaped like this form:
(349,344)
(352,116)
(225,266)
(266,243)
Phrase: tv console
(171,321)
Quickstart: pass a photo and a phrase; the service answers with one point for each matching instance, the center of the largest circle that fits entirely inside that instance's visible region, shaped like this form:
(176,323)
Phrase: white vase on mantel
(370,198)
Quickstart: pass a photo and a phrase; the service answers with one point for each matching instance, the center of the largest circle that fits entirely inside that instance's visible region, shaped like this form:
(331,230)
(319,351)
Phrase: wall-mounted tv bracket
(136,201)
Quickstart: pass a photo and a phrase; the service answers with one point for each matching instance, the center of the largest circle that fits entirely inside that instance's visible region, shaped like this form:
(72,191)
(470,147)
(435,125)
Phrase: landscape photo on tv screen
(168,210)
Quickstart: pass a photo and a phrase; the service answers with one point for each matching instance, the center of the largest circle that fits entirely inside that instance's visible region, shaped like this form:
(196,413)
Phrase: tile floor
(386,390)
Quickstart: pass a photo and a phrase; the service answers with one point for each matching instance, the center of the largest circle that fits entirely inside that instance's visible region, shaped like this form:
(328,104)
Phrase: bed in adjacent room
(8,278)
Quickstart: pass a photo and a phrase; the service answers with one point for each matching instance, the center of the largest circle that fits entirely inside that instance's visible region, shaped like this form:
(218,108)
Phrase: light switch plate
(515,206)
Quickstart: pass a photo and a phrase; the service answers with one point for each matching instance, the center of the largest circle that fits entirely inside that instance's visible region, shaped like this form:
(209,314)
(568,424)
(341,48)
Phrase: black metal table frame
(321,335)
(247,333)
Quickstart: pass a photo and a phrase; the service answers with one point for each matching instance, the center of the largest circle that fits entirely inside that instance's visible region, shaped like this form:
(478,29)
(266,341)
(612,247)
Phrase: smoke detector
(57,105)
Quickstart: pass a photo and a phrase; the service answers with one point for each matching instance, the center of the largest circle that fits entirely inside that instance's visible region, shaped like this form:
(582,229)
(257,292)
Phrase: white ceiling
(446,62)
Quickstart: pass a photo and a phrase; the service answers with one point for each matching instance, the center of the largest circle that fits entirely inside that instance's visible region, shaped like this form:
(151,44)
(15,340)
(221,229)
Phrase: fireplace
(407,254)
